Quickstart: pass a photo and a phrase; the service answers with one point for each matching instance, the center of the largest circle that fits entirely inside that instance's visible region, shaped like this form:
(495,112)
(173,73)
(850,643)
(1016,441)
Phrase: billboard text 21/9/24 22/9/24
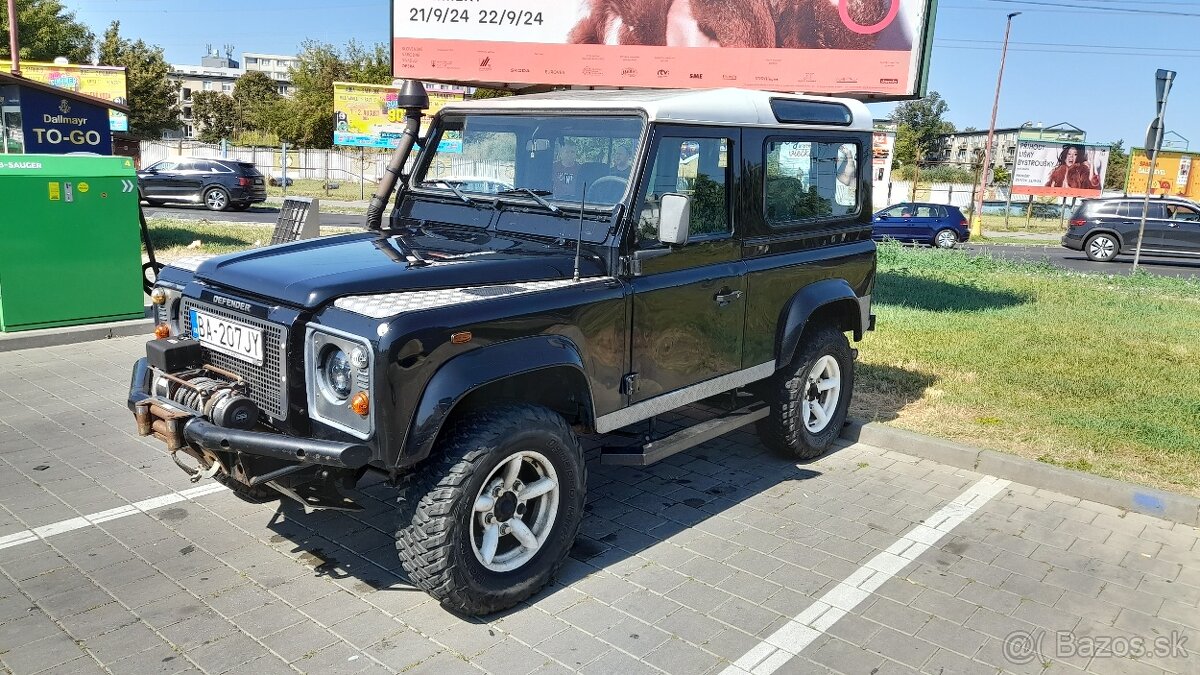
(861,47)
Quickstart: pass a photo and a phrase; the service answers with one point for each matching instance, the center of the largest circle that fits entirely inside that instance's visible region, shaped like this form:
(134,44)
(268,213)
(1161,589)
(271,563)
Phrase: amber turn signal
(158,296)
(360,404)
(461,338)
(162,330)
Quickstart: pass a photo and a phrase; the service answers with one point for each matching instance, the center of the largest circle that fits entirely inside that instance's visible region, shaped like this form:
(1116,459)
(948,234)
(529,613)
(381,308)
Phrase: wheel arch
(826,301)
(541,370)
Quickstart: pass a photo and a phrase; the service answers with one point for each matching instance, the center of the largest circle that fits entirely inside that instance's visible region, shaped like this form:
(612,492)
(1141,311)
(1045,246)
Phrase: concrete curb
(54,337)
(1115,493)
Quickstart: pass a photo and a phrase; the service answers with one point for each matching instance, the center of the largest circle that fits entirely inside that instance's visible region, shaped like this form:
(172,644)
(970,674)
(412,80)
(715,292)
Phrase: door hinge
(630,266)
(630,384)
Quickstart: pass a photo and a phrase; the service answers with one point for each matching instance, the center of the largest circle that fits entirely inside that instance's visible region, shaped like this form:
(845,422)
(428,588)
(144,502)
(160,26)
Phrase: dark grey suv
(218,184)
(1106,228)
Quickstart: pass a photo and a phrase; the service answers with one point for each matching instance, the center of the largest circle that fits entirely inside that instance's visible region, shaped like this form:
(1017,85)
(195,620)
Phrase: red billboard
(867,48)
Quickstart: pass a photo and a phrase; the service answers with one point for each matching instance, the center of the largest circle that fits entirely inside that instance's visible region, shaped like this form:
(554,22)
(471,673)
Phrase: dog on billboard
(791,24)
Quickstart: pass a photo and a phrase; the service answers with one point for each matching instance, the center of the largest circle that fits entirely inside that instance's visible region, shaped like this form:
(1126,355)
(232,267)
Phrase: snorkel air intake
(413,101)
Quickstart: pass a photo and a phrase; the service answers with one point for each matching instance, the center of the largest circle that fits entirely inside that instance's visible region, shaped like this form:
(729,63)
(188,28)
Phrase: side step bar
(685,439)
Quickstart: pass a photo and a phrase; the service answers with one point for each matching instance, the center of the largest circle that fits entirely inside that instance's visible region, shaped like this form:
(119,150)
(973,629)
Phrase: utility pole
(14,34)
(1154,140)
(977,221)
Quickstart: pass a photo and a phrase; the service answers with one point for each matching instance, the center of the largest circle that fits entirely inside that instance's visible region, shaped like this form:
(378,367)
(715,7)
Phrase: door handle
(726,296)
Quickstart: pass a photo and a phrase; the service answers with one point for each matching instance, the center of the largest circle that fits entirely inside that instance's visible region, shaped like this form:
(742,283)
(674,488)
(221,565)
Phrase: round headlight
(335,369)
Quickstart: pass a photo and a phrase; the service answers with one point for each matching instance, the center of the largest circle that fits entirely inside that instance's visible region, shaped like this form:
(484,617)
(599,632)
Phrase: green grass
(347,190)
(173,236)
(1016,223)
(1098,373)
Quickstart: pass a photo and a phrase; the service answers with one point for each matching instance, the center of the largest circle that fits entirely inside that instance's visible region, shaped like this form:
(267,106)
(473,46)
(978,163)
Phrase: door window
(698,168)
(165,165)
(1182,212)
(811,181)
(898,212)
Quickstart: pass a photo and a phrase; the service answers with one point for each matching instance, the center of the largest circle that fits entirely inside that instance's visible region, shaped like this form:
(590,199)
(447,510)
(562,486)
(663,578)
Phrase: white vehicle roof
(735,107)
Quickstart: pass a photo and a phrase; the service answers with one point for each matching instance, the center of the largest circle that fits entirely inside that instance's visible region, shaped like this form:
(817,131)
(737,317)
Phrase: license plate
(234,338)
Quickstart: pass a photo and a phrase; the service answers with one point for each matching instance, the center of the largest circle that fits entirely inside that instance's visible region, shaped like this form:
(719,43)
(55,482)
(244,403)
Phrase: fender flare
(468,372)
(808,300)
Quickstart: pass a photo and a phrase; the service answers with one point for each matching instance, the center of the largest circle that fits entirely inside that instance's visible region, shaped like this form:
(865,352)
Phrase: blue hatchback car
(933,224)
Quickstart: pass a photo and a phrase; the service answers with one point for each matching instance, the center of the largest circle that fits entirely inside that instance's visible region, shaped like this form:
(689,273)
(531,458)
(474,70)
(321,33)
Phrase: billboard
(883,147)
(1172,174)
(366,115)
(871,48)
(1059,169)
(103,82)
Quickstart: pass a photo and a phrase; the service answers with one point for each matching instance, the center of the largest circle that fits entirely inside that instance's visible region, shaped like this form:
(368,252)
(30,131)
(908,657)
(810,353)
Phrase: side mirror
(882,216)
(150,170)
(674,216)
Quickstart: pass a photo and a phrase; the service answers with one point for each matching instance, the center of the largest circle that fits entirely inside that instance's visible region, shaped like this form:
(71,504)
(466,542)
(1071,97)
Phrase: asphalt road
(268,215)
(1077,261)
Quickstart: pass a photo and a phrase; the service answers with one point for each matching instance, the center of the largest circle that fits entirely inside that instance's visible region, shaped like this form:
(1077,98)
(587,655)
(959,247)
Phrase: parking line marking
(810,624)
(72,524)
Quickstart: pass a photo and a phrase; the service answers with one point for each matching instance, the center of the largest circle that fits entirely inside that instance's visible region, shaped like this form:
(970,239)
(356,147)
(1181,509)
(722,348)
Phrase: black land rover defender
(656,248)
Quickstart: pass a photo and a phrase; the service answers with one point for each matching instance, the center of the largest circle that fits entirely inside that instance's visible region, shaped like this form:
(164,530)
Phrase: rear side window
(1129,210)
(1106,209)
(810,181)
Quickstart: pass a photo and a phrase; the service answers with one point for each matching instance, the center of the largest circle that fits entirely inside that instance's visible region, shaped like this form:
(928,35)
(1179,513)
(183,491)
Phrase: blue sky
(1071,61)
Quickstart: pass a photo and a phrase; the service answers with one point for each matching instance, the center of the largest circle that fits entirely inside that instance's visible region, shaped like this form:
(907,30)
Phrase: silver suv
(1106,228)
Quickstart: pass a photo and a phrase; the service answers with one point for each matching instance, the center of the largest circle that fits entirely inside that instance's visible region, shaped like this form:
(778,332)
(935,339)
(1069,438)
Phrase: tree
(48,31)
(1001,176)
(1118,166)
(919,123)
(253,95)
(153,96)
(307,118)
(481,93)
(215,115)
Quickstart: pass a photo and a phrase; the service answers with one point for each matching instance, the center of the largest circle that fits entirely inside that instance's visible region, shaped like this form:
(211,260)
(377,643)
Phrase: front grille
(266,383)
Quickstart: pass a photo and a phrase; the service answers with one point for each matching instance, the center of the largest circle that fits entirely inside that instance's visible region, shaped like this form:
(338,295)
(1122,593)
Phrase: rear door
(689,304)
(1182,231)
(925,222)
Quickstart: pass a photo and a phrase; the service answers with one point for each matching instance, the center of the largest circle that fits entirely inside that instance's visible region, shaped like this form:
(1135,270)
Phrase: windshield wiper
(454,188)
(537,196)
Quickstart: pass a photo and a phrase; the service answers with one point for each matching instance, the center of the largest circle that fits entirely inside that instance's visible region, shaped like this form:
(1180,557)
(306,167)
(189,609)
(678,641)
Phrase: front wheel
(486,523)
(945,239)
(810,397)
(1102,248)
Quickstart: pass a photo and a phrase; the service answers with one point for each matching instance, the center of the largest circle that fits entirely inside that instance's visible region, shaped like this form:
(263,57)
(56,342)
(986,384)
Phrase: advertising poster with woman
(817,46)
(1060,169)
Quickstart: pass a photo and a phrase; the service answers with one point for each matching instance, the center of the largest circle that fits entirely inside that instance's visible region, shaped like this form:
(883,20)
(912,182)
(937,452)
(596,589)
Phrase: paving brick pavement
(684,567)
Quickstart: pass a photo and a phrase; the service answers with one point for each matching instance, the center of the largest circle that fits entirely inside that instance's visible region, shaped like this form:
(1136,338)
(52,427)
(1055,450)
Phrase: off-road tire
(783,431)
(254,494)
(436,500)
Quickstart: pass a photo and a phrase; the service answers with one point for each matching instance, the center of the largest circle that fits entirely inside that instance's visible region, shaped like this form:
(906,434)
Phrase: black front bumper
(191,427)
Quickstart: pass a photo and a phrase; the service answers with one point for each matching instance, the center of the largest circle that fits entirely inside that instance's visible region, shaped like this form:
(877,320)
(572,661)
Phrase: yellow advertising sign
(367,115)
(1172,174)
(103,82)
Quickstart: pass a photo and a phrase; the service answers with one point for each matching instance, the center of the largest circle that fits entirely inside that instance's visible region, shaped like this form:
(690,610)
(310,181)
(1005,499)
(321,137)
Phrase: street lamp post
(14,40)
(1154,140)
(977,221)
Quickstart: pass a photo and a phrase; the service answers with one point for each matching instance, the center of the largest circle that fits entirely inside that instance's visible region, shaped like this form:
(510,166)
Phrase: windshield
(566,160)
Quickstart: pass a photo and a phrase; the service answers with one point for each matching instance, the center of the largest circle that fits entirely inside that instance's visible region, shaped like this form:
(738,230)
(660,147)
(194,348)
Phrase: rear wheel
(216,199)
(487,522)
(945,239)
(810,397)
(1102,247)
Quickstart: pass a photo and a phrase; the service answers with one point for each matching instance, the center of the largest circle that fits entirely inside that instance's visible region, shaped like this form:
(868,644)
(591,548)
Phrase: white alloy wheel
(1102,248)
(946,239)
(821,394)
(514,511)
(216,199)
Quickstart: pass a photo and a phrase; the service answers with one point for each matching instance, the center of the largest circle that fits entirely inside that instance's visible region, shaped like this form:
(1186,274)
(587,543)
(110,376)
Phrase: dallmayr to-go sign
(868,48)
